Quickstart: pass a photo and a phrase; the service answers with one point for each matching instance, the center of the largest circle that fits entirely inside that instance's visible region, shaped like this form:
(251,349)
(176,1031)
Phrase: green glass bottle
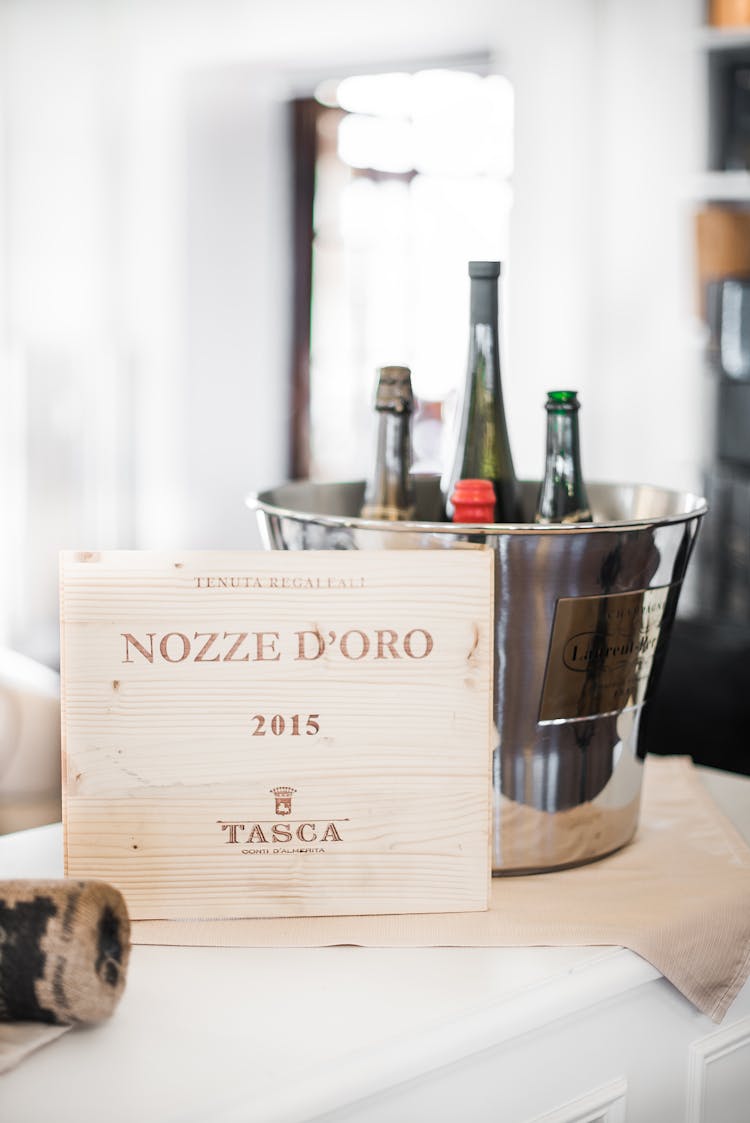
(562,495)
(482,450)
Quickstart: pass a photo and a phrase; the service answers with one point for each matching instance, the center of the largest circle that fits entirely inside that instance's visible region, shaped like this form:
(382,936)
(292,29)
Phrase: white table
(506,1035)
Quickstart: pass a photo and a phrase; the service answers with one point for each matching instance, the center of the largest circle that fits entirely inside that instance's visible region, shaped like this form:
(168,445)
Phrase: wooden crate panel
(271,734)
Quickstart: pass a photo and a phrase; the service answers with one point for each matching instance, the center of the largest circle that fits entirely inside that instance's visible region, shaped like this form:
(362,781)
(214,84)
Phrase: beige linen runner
(678,895)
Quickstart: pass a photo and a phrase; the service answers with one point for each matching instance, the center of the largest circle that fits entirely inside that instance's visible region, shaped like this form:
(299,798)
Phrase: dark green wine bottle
(482,450)
(562,496)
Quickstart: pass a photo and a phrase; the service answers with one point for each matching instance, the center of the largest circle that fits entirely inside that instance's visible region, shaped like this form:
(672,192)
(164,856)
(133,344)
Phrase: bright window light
(413,181)
(381,143)
(381,95)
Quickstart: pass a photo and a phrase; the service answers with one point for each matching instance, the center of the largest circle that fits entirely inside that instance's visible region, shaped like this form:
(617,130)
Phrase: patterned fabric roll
(64,949)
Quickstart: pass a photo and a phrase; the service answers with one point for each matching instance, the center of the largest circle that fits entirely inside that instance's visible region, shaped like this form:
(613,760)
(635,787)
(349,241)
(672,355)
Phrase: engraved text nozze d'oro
(306,645)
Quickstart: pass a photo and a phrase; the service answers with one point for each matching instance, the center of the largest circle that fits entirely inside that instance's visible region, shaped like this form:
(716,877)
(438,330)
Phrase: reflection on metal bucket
(583,615)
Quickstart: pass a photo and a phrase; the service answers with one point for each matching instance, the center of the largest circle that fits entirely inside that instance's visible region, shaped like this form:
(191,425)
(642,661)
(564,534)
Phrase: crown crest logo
(283,796)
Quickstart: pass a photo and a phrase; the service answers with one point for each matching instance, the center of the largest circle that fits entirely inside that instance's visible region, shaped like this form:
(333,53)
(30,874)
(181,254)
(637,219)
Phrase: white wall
(144,224)
(552,60)
(237,272)
(647,416)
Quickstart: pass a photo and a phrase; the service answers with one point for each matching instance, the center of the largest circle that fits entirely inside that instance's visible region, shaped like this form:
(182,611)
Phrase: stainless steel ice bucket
(582,620)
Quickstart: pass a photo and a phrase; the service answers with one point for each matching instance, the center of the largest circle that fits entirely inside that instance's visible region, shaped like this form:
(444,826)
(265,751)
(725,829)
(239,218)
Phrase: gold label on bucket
(601,653)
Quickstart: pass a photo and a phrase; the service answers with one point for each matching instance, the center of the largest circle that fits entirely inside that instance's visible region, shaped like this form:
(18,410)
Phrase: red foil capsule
(473,501)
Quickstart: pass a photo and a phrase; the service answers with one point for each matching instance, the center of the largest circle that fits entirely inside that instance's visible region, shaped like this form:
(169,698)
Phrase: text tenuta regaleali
(250,581)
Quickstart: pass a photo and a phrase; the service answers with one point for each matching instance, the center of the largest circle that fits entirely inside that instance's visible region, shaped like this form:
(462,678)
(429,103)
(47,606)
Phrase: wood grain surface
(279,734)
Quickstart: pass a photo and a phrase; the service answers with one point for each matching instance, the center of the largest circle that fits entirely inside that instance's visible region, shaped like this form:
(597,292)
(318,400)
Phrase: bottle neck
(482,448)
(563,493)
(562,436)
(390,490)
(484,341)
(483,303)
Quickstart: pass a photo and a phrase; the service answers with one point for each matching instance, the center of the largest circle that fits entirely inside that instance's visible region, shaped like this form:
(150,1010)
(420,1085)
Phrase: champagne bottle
(473,501)
(482,449)
(389,493)
(562,495)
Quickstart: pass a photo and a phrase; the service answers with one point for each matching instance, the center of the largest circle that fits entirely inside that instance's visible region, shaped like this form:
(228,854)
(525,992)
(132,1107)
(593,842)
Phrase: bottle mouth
(484,270)
(394,392)
(563,401)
